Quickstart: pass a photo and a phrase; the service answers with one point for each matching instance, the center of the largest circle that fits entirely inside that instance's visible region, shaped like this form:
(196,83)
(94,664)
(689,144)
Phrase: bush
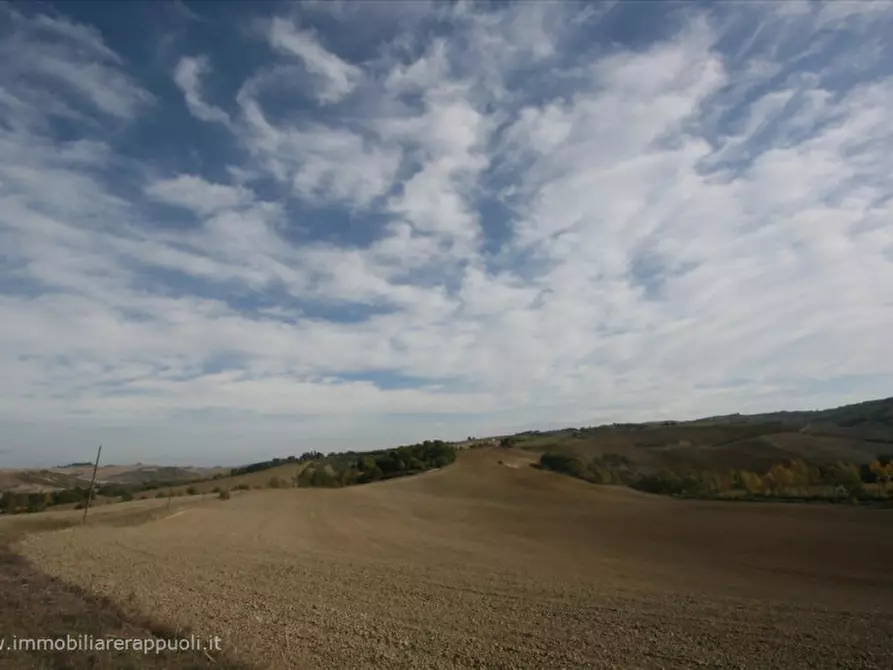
(37,502)
(242,487)
(663,482)
(322,478)
(191,491)
(224,494)
(563,463)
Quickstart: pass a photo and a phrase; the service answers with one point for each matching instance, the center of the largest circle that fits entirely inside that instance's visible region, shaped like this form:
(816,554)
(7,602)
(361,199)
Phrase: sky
(242,230)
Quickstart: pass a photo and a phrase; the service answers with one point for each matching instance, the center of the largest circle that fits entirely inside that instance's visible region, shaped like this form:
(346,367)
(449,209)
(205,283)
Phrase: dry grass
(486,565)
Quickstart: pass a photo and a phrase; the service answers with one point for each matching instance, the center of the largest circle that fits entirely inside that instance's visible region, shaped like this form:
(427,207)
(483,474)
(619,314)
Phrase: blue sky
(239,230)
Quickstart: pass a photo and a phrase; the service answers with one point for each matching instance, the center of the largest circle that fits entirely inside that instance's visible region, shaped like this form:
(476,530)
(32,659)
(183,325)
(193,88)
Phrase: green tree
(306,476)
(37,502)
(845,477)
(7,502)
(564,463)
(664,482)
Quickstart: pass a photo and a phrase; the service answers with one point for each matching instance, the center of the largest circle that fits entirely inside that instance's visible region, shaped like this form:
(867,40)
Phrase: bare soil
(485,565)
(37,605)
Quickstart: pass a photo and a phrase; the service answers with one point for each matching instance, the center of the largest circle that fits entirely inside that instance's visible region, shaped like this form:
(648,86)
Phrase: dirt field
(483,564)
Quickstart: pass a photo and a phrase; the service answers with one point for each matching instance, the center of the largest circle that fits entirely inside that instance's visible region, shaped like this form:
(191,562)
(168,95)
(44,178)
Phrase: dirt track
(486,565)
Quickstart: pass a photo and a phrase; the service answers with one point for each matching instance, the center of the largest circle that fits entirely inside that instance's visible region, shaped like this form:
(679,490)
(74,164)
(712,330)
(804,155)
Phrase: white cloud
(188,75)
(680,228)
(338,77)
(196,194)
(82,70)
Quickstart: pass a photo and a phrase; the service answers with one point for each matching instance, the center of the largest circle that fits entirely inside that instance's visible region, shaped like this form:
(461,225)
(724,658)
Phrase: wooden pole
(92,484)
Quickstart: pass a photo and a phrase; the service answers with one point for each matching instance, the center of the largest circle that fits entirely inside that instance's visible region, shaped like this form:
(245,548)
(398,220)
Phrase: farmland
(491,563)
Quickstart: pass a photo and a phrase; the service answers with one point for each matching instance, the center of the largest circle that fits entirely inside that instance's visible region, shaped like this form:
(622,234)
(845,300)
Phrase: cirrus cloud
(532,218)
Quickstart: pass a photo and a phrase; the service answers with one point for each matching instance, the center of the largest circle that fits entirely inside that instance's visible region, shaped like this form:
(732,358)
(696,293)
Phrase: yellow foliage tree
(751,481)
(779,479)
(884,473)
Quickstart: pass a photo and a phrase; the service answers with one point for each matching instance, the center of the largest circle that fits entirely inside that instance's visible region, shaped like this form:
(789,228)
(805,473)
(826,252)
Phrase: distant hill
(78,475)
(285,472)
(852,433)
(876,414)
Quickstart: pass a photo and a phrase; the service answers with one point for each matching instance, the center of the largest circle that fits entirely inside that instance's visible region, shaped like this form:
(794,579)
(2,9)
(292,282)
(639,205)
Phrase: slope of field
(491,563)
(28,481)
(36,604)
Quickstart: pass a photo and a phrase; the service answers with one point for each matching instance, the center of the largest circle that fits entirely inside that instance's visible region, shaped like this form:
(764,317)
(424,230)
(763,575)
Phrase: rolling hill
(491,563)
(852,433)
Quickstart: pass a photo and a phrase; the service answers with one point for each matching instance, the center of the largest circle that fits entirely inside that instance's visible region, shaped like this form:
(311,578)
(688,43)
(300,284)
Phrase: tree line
(349,468)
(796,479)
(333,470)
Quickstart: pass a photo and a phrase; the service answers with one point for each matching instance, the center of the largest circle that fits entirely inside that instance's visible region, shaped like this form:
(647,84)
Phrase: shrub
(569,465)
(664,482)
(322,478)
(224,494)
(191,491)
(242,487)
(37,502)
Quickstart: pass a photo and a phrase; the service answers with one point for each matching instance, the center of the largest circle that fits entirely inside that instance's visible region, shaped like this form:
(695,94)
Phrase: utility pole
(92,484)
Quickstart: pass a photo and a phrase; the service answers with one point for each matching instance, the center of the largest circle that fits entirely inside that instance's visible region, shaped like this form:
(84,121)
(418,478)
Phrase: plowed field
(491,563)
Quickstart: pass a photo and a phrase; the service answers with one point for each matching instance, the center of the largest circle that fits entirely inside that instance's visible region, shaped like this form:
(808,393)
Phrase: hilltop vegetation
(350,467)
(311,469)
(834,455)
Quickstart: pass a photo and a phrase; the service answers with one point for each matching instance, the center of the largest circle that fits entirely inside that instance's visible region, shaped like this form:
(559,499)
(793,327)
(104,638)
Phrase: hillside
(260,479)
(853,433)
(491,563)
(79,474)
